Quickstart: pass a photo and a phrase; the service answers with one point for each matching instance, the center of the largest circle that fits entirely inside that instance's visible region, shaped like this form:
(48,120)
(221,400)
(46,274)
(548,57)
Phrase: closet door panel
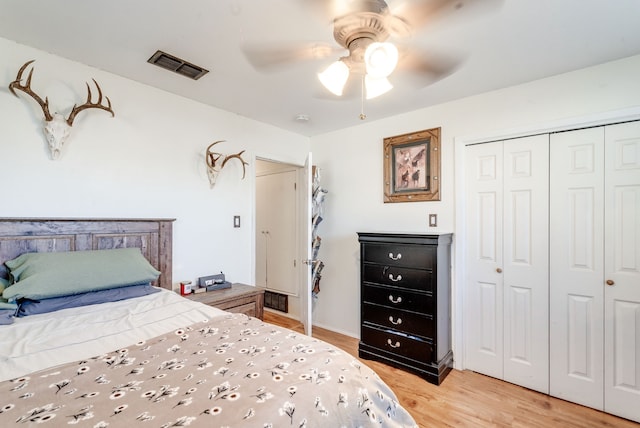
(484,350)
(622,270)
(276,232)
(507,259)
(576,266)
(525,265)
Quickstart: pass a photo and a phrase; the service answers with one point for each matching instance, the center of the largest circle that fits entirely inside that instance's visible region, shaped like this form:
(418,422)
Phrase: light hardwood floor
(468,399)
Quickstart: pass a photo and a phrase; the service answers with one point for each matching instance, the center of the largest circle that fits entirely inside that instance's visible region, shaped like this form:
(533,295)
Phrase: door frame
(300,251)
(459,303)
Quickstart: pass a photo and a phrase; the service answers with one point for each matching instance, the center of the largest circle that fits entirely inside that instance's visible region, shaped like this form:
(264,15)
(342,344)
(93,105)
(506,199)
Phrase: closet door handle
(392,257)
(610,282)
(499,270)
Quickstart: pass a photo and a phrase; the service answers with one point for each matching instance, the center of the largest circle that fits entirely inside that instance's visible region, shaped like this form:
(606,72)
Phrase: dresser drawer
(400,344)
(418,256)
(398,299)
(408,322)
(415,279)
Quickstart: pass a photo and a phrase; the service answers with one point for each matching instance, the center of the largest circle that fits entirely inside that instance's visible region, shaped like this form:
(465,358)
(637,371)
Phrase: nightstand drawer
(249,309)
(398,277)
(399,255)
(415,349)
(240,298)
(397,299)
(408,322)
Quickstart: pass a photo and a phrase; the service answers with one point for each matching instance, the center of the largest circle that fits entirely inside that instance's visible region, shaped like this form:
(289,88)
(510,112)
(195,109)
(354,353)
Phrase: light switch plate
(433,220)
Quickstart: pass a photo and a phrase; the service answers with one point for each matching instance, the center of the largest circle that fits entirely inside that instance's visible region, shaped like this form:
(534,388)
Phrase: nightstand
(240,298)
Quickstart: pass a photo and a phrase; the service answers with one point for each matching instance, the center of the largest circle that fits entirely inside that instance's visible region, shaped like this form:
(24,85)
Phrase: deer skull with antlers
(56,127)
(217,161)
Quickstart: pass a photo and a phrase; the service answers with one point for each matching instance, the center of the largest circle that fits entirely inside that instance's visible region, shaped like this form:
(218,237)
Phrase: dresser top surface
(441,238)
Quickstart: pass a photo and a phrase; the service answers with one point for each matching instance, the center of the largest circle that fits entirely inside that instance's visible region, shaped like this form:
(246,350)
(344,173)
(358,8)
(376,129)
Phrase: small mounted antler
(239,157)
(212,159)
(211,156)
(56,128)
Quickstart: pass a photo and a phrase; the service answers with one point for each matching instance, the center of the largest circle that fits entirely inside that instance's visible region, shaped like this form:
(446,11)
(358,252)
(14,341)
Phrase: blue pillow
(33,307)
(46,275)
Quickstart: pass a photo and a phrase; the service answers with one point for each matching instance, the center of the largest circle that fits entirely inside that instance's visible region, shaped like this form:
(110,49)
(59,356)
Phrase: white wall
(147,161)
(351,165)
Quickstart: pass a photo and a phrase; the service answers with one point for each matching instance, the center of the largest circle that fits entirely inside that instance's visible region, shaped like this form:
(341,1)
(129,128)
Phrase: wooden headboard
(28,235)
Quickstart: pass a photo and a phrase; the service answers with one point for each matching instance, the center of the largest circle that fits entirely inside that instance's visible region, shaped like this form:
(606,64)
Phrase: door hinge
(294,263)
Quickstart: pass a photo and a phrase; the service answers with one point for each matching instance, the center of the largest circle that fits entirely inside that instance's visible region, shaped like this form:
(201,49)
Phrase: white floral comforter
(228,371)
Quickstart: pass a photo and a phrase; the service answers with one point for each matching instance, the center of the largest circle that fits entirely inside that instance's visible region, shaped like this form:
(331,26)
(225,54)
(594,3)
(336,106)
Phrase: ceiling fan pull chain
(362,115)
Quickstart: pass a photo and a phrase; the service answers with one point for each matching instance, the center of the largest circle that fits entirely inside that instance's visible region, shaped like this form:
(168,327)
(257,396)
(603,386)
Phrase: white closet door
(507,260)
(484,350)
(622,269)
(576,266)
(276,232)
(526,262)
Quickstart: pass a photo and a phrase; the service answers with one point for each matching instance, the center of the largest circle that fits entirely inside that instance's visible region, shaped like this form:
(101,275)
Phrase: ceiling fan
(366,28)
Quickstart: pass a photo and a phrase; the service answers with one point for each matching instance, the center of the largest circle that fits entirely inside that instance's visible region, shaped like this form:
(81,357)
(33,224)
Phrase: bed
(157,359)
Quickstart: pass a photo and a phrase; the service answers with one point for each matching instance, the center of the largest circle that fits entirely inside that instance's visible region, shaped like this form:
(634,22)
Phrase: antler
(89,104)
(211,159)
(237,156)
(27,90)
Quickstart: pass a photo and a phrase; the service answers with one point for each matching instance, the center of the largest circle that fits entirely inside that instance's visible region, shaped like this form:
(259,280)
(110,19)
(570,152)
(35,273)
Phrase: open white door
(306,251)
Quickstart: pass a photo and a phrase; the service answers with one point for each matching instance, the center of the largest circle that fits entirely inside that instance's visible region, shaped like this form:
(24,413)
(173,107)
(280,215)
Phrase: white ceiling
(517,41)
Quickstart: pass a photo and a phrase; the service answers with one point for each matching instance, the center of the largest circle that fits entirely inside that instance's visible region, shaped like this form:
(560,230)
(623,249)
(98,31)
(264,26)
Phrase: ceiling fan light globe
(380,59)
(334,77)
(376,86)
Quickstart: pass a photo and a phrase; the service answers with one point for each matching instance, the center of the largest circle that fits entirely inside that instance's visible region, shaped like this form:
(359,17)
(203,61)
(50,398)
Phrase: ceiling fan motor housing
(364,25)
(356,32)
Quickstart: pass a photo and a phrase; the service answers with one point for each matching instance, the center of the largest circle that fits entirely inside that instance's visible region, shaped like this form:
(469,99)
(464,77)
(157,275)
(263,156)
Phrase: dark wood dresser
(406,302)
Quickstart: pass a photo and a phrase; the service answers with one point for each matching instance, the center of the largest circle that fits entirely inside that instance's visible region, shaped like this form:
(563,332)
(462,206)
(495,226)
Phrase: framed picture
(412,167)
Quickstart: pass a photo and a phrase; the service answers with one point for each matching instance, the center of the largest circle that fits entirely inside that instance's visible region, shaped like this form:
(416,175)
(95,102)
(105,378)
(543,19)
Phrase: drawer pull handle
(398,322)
(393,300)
(392,257)
(396,279)
(396,345)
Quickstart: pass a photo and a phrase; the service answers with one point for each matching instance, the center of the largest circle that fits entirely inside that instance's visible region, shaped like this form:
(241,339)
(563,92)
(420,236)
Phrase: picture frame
(412,167)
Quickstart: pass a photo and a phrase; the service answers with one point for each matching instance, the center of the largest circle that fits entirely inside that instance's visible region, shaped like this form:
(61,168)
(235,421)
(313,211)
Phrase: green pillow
(3,302)
(45,275)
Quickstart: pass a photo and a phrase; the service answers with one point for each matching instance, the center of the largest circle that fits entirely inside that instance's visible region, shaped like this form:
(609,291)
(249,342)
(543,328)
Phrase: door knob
(499,270)
(610,282)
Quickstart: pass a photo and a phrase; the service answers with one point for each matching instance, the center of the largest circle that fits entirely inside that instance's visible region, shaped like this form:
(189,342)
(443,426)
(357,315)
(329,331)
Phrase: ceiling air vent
(177,65)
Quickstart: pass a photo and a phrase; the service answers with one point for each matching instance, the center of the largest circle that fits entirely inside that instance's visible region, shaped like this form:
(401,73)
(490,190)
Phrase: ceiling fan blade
(418,13)
(267,58)
(329,10)
(431,66)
